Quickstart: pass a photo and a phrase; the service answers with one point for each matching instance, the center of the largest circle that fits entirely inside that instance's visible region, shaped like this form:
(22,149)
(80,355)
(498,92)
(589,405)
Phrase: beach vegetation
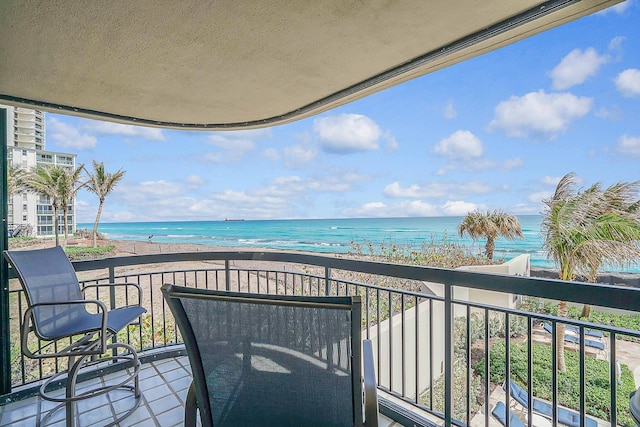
(383,305)
(79,252)
(442,253)
(101,183)
(584,229)
(597,383)
(490,225)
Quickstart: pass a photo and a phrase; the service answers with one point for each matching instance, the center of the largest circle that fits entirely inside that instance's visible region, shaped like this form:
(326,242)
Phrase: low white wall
(392,352)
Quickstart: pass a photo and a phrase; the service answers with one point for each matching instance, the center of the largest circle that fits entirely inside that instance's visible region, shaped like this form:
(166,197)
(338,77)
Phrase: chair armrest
(113,285)
(26,328)
(370,386)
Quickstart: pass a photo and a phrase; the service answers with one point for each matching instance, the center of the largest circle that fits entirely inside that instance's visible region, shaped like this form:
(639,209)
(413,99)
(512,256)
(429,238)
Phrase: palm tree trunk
(562,312)
(66,227)
(591,278)
(55,224)
(489,247)
(95,224)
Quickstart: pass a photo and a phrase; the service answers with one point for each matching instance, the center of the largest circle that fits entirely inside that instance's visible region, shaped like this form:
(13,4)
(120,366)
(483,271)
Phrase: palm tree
(586,228)
(101,183)
(58,184)
(490,225)
(68,186)
(15,180)
(618,232)
(44,181)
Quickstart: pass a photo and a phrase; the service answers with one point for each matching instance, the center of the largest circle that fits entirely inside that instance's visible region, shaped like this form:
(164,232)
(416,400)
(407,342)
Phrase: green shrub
(80,252)
(459,393)
(597,384)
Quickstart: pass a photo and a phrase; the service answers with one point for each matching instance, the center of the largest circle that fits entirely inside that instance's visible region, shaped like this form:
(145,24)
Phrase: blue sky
(494,132)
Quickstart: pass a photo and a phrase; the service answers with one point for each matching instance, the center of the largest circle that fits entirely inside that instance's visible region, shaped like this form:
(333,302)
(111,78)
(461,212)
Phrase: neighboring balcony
(450,345)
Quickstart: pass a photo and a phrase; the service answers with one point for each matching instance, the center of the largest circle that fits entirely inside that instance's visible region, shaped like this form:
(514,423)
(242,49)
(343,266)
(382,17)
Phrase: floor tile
(171,417)
(164,386)
(157,393)
(164,404)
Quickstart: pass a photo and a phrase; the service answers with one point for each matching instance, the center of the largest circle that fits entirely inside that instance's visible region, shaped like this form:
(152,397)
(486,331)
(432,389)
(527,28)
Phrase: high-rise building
(28,211)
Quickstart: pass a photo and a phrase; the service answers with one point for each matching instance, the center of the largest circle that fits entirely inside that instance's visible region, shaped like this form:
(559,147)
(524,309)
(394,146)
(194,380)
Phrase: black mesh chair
(273,360)
(68,325)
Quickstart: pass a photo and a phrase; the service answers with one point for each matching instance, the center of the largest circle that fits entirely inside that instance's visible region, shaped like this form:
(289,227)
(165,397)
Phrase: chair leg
(70,393)
(190,407)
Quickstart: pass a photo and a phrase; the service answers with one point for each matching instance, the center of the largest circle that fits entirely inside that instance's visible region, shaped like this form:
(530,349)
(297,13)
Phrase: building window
(24,217)
(25,207)
(45,229)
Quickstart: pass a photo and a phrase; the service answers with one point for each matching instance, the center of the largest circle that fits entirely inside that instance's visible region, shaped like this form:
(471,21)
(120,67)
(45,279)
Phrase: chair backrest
(47,276)
(270,359)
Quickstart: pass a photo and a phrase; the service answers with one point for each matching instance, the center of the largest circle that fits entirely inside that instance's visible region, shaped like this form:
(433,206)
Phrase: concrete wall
(396,356)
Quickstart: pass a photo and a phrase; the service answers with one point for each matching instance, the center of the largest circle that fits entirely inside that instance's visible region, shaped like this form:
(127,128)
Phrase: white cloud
(194,181)
(436,190)
(68,137)
(576,68)
(449,112)
(510,164)
(480,164)
(629,145)
(619,8)
(271,154)
(462,145)
(539,196)
(297,156)
(347,133)
(149,189)
(539,114)
(295,186)
(550,180)
(458,208)
(616,43)
(391,145)
(109,128)
(233,145)
(413,208)
(613,113)
(628,82)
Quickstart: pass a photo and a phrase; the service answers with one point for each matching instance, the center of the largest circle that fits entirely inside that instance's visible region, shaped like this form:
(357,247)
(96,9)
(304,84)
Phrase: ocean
(329,235)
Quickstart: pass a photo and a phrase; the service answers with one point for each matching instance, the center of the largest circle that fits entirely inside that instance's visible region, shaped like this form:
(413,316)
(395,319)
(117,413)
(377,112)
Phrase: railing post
(5,341)
(448,355)
(227,275)
(327,280)
(112,289)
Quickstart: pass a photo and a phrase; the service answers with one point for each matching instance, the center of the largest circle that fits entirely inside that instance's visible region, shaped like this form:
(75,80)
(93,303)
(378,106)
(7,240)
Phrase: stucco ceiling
(242,64)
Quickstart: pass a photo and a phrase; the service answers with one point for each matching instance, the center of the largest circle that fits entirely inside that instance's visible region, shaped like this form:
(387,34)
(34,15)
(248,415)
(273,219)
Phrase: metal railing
(440,353)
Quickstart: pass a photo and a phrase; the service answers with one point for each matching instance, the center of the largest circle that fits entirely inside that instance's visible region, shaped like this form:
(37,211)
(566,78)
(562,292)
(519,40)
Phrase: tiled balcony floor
(164,385)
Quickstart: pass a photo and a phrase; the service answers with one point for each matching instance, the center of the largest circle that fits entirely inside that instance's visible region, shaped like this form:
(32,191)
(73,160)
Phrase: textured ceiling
(241,64)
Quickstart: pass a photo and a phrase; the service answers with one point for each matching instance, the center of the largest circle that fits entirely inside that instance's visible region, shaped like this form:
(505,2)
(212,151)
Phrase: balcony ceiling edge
(191,65)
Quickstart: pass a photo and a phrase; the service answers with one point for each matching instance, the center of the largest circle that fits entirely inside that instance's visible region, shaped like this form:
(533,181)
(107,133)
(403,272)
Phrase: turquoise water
(327,235)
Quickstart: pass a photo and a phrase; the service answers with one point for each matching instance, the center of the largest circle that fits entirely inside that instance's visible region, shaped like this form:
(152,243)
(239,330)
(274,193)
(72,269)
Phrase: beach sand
(626,351)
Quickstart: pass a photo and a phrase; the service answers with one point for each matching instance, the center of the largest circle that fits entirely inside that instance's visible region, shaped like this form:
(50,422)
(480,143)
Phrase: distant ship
(234,220)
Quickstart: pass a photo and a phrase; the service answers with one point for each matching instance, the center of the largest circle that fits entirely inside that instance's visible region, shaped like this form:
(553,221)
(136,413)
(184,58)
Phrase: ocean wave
(180,236)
